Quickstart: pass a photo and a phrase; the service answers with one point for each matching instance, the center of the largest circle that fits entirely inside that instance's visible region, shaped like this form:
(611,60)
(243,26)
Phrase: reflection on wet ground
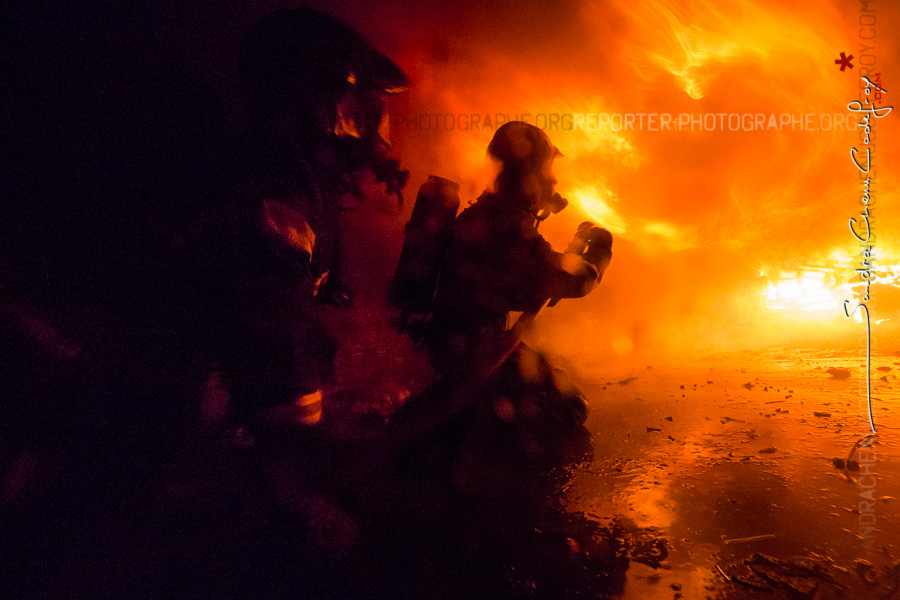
(733,477)
(741,462)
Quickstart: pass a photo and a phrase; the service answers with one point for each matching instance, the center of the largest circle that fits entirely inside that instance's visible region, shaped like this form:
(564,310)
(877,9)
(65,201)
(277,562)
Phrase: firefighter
(316,96)
(497,262)
(501,415)
(315,93)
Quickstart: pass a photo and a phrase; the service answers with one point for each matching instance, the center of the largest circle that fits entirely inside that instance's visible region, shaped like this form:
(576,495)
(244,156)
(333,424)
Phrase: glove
(599,248)
(599,237)
(580,241)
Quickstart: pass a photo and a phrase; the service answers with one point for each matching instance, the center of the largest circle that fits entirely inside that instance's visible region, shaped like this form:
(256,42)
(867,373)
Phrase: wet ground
(747,454)
(736,476)
(725,476)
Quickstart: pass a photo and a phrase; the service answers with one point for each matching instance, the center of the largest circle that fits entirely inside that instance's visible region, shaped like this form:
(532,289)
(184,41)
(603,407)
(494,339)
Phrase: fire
(696,214)
(696,49)
(810,290)
(821,291)
(698,42)
(595,201)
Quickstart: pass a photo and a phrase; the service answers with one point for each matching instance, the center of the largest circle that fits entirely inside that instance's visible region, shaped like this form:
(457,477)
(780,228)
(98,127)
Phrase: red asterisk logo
(844,61)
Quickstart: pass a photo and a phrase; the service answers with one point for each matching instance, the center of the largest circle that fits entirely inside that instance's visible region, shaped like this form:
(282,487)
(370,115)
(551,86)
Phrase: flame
(699,42)
(698,50)
(595,201)
(817,291)
(696,214)
(671,236)
(810,290)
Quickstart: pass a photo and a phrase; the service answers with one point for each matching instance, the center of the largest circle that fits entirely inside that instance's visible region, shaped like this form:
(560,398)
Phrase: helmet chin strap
(541,215)
(549,206)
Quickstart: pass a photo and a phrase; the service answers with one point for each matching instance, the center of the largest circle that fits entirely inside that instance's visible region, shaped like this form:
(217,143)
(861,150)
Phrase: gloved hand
(580,241)
(597,237)
(599,248)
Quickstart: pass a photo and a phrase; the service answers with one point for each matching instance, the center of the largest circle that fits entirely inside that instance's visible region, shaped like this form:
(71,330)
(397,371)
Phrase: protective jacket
(497,262)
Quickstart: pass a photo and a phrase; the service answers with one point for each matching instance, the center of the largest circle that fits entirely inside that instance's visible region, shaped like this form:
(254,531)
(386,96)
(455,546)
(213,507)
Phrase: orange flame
(696,213)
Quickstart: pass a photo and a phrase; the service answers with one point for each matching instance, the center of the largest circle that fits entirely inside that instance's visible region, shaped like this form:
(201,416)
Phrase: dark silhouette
(316,93)
(497,261)
(476,451)
(141,244)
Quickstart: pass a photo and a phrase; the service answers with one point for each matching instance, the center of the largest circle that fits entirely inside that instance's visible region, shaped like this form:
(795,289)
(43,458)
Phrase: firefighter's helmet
(312,61)
(525,179)
(522,147)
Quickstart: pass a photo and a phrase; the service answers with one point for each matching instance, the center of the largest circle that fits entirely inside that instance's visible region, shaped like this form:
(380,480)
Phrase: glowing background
(724,239)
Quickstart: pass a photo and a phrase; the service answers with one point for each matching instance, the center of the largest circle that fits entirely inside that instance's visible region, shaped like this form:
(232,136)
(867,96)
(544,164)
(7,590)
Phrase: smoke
(703,212)
(703,215)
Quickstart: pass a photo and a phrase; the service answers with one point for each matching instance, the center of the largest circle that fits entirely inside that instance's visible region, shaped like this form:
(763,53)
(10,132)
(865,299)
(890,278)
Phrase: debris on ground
(798,576)
(849,465)
(755,538)
(752,584)
(838,373)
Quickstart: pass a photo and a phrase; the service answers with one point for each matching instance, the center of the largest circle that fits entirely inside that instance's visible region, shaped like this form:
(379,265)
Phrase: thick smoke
(704,216)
